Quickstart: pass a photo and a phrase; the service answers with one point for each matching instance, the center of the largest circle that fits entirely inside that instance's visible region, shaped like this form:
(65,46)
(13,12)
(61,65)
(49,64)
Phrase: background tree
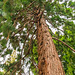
(18,33)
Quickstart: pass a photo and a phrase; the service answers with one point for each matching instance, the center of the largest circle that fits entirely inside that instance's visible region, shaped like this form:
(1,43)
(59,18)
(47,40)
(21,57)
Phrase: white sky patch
(30,36)
(3,52)
(73,21)
(26,68)
(1,69)
(34,36)
(51,27)
(1,33)
(63,17)
(55,29)
(61,29)
(24,29)
(73,0)
(1,58)
(8,43)
(2,37)
(17,34)
(18,24)
(21,45)
(61,2)
(11,47)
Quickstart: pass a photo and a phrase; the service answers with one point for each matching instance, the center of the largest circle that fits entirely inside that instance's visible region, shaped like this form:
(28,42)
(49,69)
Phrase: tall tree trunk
(48,60)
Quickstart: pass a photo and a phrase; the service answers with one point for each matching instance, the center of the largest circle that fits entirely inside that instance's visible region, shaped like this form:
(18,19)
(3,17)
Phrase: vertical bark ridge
(48,60)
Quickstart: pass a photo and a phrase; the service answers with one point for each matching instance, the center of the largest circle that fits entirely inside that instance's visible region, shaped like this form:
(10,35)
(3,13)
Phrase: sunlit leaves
(67,56)
(13,56)
(1,73)
(34,51)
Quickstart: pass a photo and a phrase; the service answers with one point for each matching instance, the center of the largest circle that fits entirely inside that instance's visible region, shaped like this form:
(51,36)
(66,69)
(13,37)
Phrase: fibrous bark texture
(48,60)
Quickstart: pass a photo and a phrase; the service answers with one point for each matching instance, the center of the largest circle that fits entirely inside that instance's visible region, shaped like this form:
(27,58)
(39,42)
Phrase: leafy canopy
(17,32)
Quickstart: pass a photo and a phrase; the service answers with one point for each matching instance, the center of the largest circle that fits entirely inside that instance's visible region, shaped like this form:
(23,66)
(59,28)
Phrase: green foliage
(72,4)
(1,4)
(7,28)
(7,7)
(7,52)
(3,42)
(18,12)
(34,51)
(1,73)
(67,56)
(48,6)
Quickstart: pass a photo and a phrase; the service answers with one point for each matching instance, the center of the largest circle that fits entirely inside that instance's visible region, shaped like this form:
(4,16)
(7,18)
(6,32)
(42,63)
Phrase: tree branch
(18,61)
(24,10)
(63,43)
(21,28)
(21,58)
(13,71)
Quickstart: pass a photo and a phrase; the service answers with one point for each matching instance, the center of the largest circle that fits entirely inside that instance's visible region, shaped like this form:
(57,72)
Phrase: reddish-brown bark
(48,60)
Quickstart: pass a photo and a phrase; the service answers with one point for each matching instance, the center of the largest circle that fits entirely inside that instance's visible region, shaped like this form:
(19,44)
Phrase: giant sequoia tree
(26,37)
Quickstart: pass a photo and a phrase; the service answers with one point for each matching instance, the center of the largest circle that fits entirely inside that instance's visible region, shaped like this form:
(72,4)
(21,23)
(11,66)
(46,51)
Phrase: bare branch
(13,71)
(63,43)
(20,29)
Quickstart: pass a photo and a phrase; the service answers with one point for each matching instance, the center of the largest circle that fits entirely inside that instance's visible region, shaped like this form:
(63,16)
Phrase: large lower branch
(63,43)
